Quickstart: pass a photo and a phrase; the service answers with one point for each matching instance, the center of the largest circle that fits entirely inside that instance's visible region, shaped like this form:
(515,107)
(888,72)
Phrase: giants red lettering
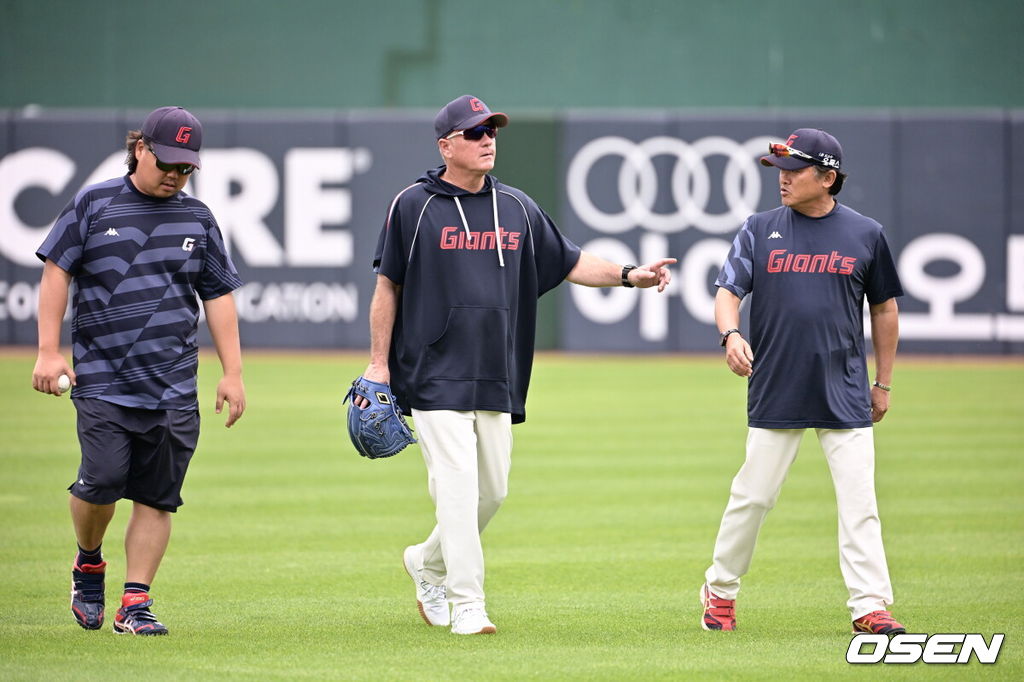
(780,260)
(457,238)
(184,134)
(450,238)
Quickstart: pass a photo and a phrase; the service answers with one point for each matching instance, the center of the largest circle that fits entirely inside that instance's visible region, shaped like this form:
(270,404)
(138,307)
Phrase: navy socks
(92,557)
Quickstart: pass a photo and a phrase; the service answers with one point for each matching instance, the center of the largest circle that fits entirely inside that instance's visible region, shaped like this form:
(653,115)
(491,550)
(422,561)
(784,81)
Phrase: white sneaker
(432,600)
(471,619)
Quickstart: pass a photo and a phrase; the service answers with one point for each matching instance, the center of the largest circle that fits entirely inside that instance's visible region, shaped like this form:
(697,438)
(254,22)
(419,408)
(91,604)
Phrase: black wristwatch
(725,335)
(626,269)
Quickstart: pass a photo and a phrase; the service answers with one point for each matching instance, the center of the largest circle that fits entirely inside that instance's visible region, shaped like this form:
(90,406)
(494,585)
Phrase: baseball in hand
(63,383)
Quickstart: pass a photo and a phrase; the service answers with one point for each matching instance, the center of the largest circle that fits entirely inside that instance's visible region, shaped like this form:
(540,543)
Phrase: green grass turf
(285,563)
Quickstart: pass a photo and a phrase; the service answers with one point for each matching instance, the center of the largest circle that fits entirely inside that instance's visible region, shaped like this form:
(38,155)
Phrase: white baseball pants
(468,457)
(851,459)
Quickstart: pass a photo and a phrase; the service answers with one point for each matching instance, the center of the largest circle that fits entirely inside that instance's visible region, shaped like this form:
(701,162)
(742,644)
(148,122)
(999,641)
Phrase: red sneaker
(719,614)
(135,618)
(879,623)
(87,594)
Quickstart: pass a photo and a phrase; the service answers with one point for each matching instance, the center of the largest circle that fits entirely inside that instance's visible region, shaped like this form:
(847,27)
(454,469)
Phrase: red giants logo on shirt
(781,260)
(458,238)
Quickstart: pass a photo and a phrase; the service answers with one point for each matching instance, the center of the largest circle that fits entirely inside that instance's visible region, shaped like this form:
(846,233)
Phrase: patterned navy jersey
(808,278)
(138,263)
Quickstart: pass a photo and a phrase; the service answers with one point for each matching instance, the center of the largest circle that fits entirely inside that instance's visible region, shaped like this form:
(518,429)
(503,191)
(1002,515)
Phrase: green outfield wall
(301,198)
(544,54)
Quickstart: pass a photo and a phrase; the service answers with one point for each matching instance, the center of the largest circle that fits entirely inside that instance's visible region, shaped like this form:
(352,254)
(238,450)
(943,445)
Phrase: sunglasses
(785,150)
(476,132)
(182,168)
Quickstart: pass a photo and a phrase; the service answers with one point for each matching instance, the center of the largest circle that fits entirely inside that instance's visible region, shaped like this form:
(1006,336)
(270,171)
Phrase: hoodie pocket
(474,345)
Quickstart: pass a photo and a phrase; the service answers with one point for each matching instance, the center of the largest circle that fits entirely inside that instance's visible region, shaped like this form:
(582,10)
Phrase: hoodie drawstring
(497,232)
(465,223)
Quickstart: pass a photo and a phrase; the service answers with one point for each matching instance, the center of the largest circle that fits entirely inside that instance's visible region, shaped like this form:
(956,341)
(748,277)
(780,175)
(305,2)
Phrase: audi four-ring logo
(690,183)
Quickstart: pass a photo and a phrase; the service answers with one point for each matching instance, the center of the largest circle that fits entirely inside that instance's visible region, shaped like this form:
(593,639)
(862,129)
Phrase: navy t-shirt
(465,331)
(808,278)
(138,262)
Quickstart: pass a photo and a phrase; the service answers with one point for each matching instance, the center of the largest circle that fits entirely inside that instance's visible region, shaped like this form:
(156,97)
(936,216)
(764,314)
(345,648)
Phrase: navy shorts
(134,454)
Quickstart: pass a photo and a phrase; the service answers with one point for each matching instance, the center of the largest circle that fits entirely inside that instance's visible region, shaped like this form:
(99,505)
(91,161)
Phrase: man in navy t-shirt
(461,262)
(138,250)
(808,265)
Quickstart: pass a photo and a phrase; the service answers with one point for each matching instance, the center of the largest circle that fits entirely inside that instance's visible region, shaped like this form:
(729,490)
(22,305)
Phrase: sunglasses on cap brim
(475,133)
(778,149)
(182,168)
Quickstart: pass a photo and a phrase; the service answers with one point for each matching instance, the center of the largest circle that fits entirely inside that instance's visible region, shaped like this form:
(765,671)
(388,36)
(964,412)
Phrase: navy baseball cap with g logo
(823,150)
(465,112)
(175,134)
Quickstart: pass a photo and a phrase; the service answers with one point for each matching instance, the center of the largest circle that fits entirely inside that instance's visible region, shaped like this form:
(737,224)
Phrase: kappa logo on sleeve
(942,648)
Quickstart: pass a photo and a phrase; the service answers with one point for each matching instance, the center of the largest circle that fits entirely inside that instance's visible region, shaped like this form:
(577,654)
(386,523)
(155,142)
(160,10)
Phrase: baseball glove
(379,429)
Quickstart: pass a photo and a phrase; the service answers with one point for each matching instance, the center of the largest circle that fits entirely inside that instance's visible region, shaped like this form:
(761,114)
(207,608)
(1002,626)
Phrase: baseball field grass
(285,562)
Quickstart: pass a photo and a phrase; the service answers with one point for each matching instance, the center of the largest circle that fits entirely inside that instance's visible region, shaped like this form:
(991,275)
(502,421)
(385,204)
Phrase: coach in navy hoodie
(460,263)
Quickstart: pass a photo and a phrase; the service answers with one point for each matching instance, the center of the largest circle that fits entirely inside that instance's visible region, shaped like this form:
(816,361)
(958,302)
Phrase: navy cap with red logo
(175,134)
(824,149)
(465,112)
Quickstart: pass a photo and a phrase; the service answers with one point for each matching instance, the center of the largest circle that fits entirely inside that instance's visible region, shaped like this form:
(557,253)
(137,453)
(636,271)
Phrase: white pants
(468,457)
(851,459)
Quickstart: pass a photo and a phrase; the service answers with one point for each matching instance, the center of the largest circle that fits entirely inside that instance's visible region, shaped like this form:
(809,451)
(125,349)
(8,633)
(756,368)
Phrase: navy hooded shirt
(471,267)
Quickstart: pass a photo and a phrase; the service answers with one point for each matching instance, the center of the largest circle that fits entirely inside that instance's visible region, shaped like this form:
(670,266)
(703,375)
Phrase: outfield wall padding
(301,197)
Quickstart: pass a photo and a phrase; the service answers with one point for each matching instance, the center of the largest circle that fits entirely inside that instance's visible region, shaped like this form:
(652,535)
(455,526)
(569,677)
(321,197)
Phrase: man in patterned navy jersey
(461,262)
(139,250)
(810,264)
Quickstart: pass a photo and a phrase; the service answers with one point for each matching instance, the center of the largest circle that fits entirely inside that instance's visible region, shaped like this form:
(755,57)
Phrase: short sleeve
(219,275)
(65,242)
(883,281)
(737,274)
(555,254)
(390,256)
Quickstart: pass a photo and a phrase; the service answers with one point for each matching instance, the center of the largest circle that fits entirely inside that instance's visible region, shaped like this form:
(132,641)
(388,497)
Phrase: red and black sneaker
(87,594)
(135,618)
(719,614)
(879,623)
